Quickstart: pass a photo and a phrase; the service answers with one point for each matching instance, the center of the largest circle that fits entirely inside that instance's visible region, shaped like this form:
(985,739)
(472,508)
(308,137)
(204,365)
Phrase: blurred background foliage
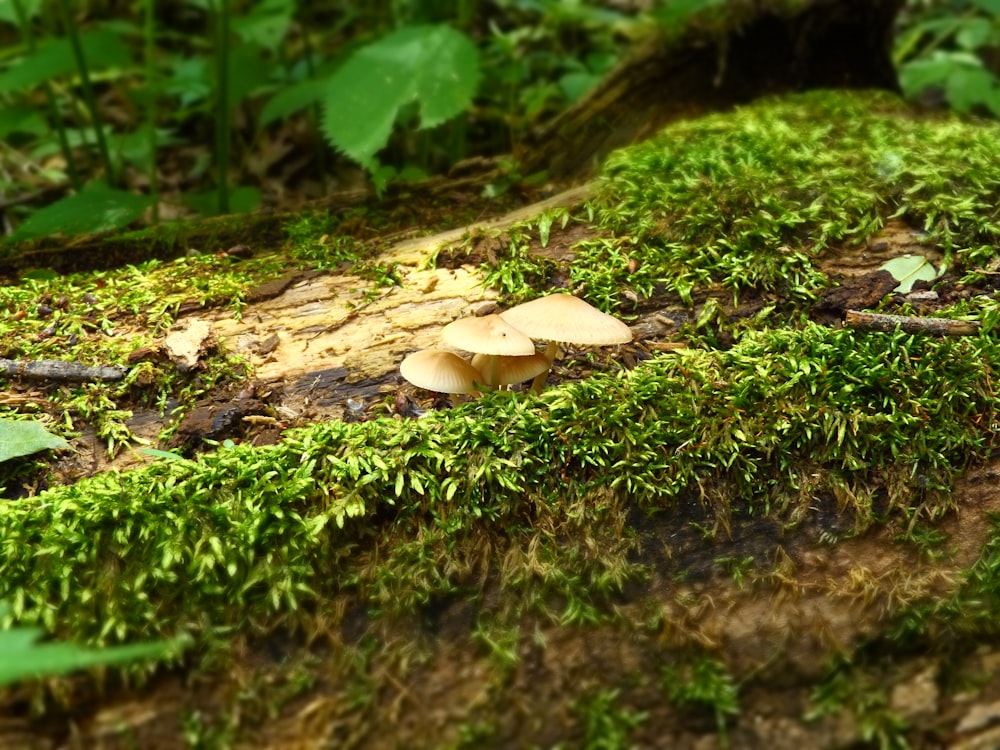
(115,112)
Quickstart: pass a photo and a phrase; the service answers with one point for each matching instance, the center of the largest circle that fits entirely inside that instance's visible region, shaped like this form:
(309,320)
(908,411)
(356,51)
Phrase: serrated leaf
(435,66)
(102,48)
(96,208)
(908,269)
(25,438)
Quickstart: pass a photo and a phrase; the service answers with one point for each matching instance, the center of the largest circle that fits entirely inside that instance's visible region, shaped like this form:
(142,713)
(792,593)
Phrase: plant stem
(322,165)
(88,90)
(50,96)
(153,87)
(222,102)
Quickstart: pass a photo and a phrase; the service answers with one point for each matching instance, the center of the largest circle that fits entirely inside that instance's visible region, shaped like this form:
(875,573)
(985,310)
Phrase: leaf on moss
(24,438)
(908,269)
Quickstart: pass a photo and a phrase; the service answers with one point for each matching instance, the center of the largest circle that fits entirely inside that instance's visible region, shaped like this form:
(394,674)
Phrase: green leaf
(435,66)
(969,86)
(241,200)
(990,6)
(22,119)
(22,657)
(102,48)
(974,33)
(248,71)
(266,23)
(677,12)
(291,99)
(96,208)
(908,269)
(24,438)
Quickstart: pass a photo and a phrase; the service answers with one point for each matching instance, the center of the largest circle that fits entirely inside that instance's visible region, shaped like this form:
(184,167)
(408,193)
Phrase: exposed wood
(866,321)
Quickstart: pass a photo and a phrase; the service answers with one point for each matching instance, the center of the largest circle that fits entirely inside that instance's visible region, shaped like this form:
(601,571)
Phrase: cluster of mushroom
(503,345)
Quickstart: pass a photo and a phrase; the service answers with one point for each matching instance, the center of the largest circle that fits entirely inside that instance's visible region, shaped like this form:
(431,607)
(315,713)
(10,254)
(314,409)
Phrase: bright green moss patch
(393,512)
(752,198)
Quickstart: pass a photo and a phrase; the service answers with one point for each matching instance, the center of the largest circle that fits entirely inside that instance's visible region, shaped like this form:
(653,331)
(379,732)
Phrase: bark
(761,47)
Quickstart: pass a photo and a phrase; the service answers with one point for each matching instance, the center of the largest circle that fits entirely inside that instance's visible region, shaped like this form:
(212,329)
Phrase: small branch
(866,321)
(60,371)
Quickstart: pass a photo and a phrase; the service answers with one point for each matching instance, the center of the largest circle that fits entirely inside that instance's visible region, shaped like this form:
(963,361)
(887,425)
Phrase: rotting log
(760,48)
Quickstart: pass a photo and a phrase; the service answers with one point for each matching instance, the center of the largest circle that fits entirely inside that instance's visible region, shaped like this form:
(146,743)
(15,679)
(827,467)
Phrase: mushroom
(440,371)
(491,336)
(565,319)
(509,370)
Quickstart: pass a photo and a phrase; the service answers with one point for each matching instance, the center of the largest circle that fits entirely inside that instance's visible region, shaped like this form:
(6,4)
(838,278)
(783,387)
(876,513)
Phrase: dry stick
(866,321)
(60,371)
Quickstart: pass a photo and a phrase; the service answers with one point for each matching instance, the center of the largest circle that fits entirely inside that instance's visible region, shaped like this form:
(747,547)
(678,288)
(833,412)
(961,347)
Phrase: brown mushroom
(440,371)
(489,335)
(565,319)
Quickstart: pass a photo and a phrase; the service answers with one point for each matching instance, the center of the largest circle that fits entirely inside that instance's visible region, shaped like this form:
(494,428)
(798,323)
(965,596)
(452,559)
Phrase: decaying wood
(867,321)
(761,47)
(60,371)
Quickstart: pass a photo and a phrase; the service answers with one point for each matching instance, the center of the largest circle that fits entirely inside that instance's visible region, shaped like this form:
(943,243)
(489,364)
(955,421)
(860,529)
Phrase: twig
(60,371)
(866,321)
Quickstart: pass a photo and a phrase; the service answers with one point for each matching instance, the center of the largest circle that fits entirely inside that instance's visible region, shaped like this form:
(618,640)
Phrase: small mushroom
(440,371)
(509,370)
(565,319)
(491,336)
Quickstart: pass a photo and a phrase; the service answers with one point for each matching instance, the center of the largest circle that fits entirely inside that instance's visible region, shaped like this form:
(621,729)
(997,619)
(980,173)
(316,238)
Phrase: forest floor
(818,627)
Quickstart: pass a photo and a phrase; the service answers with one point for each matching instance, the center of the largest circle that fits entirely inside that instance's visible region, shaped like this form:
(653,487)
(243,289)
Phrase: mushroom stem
(490,373)
(551,352)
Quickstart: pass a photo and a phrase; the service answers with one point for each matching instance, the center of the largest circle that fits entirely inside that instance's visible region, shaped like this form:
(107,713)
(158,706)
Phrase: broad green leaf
(969,86)
(923,73)
(96,208)
(574,85)
(241,200)
(22,657)
(975,33)
(435,66)
(291,99)
(266,23)
(102,48)
(22,119)
(8,14)
(908,269)
(676,12)
(24,438)
(990,6)
(248,71)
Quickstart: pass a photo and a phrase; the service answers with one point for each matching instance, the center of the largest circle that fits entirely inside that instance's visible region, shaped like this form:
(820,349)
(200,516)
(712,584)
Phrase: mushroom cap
(567,319)
(489,334)
(511,369)
(440,371)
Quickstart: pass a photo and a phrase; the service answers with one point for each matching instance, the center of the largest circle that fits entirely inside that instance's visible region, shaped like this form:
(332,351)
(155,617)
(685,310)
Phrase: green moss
(754,197)
(393,511)
(100,318)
